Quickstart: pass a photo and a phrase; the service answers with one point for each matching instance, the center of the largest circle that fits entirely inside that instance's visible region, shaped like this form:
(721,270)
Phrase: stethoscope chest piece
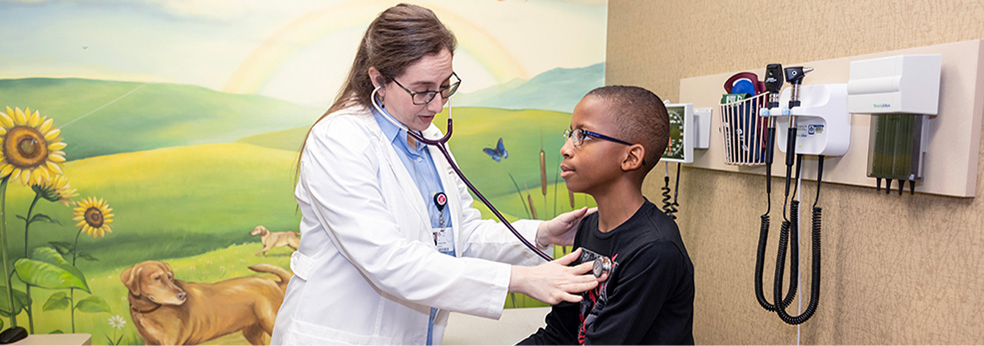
(602,265)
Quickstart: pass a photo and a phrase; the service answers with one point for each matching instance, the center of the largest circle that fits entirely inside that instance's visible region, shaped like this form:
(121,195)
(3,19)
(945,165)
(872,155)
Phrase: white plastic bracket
(702,135)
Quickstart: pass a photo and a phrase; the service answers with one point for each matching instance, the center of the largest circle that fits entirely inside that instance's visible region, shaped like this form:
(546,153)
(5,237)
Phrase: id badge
(444,239)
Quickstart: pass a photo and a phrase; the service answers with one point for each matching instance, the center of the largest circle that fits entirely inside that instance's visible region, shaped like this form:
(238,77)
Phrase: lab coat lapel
(404,180)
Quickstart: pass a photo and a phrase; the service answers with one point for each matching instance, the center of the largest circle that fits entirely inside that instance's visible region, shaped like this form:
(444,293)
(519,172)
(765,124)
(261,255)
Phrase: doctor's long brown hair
(400,36)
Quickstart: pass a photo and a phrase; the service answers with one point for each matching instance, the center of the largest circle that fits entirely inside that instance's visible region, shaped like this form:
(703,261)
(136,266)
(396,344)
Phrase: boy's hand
(561,230)
(553,282)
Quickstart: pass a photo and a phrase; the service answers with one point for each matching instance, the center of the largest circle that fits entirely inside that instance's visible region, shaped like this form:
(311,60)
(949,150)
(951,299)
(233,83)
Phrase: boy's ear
(634,158)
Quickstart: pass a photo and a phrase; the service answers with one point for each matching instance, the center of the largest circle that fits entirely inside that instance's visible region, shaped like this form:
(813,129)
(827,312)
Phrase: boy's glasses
(577,136)
(425,97)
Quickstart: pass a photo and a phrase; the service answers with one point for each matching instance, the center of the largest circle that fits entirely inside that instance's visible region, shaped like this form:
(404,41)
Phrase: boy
(617,135)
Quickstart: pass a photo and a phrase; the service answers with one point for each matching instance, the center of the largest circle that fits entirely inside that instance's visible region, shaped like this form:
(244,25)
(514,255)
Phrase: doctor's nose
(436,104)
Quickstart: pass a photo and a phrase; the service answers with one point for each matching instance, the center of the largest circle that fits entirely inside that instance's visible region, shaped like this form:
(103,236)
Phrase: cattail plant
(543,173)
(532,208)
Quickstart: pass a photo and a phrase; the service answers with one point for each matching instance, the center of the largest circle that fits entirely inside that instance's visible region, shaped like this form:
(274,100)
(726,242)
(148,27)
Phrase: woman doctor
(390,241)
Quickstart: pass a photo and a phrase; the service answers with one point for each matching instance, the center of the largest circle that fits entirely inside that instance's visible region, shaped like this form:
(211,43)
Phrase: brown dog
(166,311)
(273,239)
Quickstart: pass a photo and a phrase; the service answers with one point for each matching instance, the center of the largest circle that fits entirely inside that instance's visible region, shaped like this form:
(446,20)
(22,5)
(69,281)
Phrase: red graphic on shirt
(592,304)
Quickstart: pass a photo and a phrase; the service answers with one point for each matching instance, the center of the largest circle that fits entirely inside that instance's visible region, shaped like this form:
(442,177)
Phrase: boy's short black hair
(640,117)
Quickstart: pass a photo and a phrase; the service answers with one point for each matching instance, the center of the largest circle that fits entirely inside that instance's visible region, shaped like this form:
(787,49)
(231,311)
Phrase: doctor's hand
(553,282)
(561,230)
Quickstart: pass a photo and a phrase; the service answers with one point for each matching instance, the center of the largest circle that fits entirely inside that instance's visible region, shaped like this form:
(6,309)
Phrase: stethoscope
(602,265)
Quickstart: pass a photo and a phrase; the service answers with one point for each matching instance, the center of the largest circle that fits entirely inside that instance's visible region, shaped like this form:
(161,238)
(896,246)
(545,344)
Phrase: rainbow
(261,64)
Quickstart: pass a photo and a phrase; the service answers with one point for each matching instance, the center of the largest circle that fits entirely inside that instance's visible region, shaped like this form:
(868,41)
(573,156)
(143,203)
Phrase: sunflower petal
(51,135)
(34,120)
(25,178)
(52,146)
(45,175)
(56,158)
(6,120)
(54,167)
(5,170)
(46,125)
(19,118)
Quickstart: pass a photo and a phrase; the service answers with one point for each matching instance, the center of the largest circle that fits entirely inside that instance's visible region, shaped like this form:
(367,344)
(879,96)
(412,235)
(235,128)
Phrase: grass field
(184,201)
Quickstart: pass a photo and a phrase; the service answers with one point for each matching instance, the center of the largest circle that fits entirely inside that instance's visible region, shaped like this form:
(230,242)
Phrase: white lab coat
(367,270)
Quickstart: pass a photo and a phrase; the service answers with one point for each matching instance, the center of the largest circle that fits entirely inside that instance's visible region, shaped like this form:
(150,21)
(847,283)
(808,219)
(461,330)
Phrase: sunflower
(56,189)
(31,147)
(93,216)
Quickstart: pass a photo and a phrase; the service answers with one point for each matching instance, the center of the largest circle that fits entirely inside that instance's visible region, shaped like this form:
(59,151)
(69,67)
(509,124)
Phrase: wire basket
(745,142)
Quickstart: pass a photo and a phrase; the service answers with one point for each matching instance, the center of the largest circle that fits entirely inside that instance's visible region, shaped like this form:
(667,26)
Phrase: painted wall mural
(148,147)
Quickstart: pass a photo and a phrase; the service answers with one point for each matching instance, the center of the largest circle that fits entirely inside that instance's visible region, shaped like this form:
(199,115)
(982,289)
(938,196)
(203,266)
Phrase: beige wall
(896,270)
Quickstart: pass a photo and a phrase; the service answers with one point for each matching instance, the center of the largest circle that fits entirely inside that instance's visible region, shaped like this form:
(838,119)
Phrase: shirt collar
(392,131)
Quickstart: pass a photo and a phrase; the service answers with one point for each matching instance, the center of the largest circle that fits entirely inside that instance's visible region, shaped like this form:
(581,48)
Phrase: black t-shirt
(647,299)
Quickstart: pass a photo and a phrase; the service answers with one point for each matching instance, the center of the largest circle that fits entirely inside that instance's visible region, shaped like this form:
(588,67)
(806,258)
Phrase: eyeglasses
(577,136)
(425,97)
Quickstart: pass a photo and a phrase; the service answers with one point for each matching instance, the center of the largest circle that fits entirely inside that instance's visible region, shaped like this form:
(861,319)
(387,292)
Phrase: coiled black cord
(815,279)
(670,207)
(764,237)
(667,202)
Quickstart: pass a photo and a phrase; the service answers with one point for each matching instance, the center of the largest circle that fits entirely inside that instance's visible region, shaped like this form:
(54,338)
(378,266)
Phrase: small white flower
(117,322)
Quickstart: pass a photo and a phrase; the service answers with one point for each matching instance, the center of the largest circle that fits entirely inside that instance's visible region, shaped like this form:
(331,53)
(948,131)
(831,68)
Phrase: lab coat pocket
(303,333)
(301,265)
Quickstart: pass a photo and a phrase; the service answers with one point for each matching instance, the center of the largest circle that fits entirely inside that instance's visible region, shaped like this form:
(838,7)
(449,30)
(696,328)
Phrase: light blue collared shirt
(420,164)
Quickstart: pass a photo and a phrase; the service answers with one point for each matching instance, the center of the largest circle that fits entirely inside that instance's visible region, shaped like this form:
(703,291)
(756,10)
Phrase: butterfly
(498,153)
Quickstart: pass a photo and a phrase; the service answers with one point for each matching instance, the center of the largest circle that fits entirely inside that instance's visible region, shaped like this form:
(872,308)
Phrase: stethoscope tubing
(441,145)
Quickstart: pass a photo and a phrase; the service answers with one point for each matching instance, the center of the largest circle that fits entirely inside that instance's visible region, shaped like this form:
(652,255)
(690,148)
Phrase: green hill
(558,89)
(290,139)
(170,202)
(108,117)
(523,132)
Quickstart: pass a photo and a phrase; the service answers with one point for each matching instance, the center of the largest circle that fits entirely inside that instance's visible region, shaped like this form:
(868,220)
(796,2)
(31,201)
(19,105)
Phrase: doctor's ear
(376,77)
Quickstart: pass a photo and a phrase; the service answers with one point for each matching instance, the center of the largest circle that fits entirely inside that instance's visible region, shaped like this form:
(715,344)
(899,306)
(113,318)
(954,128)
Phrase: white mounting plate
(954,134)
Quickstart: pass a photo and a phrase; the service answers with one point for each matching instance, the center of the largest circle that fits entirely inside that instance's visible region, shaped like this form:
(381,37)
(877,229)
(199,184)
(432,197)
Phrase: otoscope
(773,84)
(794,75)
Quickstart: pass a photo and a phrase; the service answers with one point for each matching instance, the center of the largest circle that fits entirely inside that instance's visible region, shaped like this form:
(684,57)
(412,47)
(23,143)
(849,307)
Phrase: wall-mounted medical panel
(954,133)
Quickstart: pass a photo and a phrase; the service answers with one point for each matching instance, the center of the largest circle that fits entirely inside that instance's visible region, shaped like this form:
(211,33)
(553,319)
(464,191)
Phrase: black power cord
(670,207)
(780,260)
